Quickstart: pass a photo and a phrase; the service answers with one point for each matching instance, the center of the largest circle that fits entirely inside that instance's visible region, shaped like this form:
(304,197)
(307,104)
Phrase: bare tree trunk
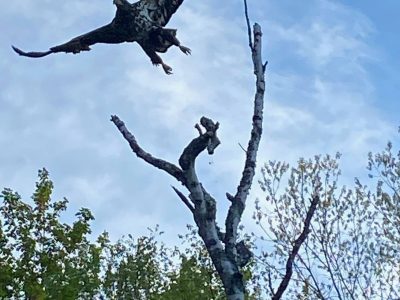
(227,253)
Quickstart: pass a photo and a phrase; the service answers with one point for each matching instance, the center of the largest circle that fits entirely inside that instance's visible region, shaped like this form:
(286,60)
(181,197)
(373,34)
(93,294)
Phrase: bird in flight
(142,22)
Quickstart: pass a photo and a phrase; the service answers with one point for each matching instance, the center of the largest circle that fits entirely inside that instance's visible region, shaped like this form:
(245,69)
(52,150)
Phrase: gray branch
(184,199)
(295,250)
(238,201)
(147,157)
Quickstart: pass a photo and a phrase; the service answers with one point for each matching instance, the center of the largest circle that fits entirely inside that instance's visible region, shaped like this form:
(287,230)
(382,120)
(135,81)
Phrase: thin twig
(246,13)
(184,199)
(240,145)
(271,289)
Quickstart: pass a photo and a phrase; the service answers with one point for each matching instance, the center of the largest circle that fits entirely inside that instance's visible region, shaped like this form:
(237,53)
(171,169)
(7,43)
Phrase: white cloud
(54,112)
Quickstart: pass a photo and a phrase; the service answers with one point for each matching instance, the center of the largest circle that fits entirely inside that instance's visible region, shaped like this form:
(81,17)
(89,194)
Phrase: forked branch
(228,254)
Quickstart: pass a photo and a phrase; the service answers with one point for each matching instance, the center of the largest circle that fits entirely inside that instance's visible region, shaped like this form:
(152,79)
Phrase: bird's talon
(185,50)
(167,69)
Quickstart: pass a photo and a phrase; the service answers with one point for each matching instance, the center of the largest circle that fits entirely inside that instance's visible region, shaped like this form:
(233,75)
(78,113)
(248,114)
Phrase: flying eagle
(142,22)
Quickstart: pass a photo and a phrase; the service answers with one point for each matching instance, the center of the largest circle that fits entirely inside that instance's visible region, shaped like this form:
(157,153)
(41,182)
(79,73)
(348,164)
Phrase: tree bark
(227,253)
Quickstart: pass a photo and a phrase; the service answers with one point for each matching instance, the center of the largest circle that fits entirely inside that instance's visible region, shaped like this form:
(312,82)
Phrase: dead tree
(227,253)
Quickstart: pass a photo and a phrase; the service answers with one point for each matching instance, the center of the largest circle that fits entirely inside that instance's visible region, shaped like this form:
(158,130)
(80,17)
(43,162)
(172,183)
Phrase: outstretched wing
(159,11)
(105,34)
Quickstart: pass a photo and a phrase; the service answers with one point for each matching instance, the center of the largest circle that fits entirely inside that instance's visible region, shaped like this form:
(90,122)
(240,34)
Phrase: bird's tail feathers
(31,54)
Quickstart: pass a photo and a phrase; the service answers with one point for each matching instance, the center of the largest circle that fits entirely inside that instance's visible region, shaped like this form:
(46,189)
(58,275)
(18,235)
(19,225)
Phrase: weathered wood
(227,253)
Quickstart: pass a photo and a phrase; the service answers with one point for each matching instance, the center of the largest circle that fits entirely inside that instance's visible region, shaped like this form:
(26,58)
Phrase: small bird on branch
(142,22)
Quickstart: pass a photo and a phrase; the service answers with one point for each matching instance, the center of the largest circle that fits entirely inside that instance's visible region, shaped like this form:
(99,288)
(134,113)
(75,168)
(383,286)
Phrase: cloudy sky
(332,85)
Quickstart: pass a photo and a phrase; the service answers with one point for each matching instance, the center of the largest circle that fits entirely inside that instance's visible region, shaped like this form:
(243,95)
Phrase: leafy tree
(134,268)
(145,268)
(196,276)
(352,248)
(42,257)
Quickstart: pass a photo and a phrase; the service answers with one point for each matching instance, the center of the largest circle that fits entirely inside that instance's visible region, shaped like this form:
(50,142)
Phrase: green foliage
(192,281)
(196,278)
(42,258)
(133,268)
(145,269)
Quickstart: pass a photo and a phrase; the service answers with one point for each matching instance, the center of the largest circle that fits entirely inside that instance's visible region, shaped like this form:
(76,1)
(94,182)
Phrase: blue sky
(332,83)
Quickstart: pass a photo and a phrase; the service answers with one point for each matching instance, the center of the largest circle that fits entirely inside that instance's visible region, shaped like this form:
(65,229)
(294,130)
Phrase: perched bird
(142,22)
